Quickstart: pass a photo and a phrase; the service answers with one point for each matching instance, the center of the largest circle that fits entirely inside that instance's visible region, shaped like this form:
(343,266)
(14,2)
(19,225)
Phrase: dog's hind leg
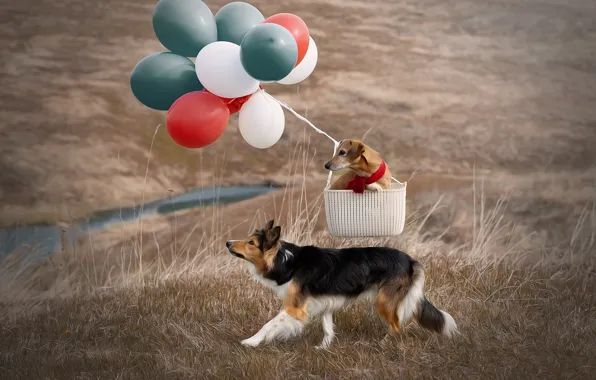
(392,296)
(387,310)
(328,330)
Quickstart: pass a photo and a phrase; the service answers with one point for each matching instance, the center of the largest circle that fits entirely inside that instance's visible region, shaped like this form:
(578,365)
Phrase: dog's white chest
(280,290)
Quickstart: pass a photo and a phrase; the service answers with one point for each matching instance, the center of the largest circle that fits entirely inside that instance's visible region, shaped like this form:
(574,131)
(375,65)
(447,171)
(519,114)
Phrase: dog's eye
(251,242)
(342,152)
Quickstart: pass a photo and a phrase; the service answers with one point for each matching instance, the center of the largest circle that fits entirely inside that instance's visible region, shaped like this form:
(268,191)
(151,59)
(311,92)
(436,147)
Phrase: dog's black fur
(347,271)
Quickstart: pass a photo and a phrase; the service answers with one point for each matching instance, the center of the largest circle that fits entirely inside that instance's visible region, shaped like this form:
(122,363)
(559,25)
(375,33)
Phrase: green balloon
(161,78)
(184,26)
(235,19)
(268,52)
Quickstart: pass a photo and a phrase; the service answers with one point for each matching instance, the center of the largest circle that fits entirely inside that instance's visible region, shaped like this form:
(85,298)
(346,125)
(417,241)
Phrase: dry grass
(180,313)
(514,325)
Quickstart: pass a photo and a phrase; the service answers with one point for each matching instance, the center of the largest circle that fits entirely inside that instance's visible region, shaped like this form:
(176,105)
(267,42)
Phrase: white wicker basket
(374,213)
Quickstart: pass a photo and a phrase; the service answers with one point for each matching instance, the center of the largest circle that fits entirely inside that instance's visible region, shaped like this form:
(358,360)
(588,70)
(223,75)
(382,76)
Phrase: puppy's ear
(269,225)
(357,148)
(271,238)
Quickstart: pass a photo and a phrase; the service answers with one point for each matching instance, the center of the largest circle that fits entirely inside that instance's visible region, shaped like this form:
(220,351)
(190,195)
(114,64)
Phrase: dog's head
(349,154)
(259,248)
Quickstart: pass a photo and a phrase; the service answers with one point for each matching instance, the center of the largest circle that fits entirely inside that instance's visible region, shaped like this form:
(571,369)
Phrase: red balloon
(197,119)
(297,27)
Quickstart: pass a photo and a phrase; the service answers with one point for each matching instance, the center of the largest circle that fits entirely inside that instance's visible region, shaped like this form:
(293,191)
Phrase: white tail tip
(450,327)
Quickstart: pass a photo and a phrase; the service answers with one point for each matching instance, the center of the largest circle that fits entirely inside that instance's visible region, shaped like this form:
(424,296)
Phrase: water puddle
(46,238)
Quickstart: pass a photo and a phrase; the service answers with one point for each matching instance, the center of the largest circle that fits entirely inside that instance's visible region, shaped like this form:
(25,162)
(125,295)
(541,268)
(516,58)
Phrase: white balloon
(261,121)
(305,67)
(220,71)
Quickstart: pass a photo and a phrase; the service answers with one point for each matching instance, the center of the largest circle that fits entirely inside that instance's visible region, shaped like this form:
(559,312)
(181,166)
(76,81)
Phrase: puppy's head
(348,154)
(259,248)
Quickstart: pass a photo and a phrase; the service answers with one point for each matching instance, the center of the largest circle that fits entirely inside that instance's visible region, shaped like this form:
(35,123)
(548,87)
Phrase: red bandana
(358,184)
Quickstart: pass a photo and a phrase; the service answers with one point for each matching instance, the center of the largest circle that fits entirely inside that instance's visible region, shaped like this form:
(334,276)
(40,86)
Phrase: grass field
(491,101)
(181,312)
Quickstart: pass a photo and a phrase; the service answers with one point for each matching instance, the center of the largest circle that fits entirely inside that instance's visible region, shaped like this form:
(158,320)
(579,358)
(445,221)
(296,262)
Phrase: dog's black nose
(327,166)
(228,244)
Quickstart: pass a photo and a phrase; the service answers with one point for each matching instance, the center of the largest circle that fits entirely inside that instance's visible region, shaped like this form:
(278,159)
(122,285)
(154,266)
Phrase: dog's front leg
(283,326)
(256,339)
(341,182)
(288,323)
(374,187)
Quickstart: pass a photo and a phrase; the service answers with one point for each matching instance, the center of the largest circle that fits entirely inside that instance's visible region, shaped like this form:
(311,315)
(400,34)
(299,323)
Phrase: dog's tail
(416,305)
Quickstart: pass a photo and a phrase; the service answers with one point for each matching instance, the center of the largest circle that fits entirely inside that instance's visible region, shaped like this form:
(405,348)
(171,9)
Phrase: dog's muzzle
(229,247)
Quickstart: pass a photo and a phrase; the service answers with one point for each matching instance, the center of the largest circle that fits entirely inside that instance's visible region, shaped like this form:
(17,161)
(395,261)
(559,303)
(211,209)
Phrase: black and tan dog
(318,281)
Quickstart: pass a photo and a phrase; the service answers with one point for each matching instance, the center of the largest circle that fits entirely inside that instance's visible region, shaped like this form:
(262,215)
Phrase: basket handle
(330,173)
(401,183)
(335,146)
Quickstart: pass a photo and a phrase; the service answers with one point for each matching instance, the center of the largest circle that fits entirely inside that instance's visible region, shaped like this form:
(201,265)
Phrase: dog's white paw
(325,344)
(250,342)
(374,187)
(387,339)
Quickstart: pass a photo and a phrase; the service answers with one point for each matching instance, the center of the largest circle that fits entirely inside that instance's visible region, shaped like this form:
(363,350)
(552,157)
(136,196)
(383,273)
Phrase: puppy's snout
(328,165)
(228,244)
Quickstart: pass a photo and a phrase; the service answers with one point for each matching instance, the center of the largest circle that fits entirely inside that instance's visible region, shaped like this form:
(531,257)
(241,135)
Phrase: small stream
(43,239)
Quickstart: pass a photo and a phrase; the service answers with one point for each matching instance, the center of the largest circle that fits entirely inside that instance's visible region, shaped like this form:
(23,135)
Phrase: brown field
(507,85)
(492,102)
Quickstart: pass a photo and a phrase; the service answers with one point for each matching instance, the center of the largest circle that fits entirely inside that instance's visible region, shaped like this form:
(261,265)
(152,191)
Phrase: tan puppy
(367,170)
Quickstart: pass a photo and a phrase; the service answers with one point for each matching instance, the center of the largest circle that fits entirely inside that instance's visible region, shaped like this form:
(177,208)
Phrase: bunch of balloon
(236,50)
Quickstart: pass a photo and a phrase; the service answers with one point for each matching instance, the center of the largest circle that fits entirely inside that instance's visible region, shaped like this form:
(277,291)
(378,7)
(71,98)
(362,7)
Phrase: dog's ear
(269,225)
(271,238)
(357,148)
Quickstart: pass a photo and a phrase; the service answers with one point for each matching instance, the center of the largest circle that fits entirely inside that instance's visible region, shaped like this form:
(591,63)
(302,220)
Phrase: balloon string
(335,142)
(287,106)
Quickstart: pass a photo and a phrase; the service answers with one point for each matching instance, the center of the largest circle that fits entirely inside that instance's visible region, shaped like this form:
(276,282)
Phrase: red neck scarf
(358,184)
